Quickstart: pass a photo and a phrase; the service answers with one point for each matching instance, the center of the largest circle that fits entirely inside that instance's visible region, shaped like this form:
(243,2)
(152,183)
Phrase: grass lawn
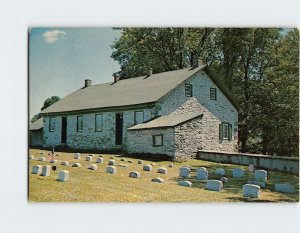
(86,185)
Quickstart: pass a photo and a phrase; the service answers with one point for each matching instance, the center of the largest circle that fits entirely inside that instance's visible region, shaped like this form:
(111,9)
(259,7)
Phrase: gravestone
(202,174)
(76,165)
(42,159)
(261,175)
(158,180)
(102,156)
(184,172)
(220,171)
(214,185)
(170,165)
(285,188)
(224,179)
(123,165)
(112,162)
(111,169)
(63,175)
(147,168)
(129,161)
(53,161)
(91,155)
(140,161)
(162,170)
(251,190)
(123,160)
(112,157)
(64,163)
(153,164)
(238,172)
(93,167)
(134,174)
(46,170)
(99,160)
(259,183)
(185,183)
(77,156)
(31,157)
(88,158)
(37,169)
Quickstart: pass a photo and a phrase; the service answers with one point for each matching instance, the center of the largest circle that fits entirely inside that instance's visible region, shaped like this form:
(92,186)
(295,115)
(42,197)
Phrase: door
(119,128)
(63,130)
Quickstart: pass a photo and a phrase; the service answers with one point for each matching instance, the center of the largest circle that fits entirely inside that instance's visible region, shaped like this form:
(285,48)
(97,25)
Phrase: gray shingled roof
(37,125)
(170,120)
(125,92)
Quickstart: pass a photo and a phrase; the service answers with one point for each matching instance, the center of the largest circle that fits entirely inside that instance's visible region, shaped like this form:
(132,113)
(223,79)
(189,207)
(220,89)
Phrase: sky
(60,59)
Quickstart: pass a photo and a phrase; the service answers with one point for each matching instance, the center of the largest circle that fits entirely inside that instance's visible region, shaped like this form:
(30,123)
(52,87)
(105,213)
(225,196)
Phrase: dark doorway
(119,128)
(63,130)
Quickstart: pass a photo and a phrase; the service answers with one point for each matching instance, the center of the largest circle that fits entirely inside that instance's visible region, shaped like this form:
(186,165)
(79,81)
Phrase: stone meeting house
(175,113)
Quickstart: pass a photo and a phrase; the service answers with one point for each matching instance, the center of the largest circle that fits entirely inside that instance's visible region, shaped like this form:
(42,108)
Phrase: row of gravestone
(251,189)
(45,170)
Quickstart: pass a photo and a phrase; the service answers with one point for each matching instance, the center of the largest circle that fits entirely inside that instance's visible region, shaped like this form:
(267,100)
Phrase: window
(52,124)
(188,90)
(158,140)
(138,117)
(213,93)
(225,131)
(98,122)
(79,123)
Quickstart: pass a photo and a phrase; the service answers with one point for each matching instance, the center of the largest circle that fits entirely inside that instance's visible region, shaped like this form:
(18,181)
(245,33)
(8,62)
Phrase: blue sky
(61,58)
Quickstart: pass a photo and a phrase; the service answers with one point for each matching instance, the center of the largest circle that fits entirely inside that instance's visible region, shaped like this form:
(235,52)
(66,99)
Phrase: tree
(49,101)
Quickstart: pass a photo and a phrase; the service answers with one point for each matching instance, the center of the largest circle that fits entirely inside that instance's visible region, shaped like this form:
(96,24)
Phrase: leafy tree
(49,101)
(36,117)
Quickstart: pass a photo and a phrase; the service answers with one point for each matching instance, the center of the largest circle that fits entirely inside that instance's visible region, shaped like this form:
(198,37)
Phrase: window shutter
(221,131)
(230,132)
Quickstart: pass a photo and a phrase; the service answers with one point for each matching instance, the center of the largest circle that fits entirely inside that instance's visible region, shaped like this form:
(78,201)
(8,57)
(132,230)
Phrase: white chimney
(87,83)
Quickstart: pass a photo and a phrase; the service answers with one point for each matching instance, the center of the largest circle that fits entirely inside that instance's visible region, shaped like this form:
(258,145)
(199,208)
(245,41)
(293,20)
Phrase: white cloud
(52,36)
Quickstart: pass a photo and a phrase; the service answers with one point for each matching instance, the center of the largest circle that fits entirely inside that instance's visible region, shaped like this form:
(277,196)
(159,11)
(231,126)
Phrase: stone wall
(141,141)
(284,164)
(89,138)
(214,113)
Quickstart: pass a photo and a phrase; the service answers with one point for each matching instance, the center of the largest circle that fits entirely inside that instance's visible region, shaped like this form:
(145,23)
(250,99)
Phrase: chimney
(195,60)
(150,72)
(87,83)
(116,77)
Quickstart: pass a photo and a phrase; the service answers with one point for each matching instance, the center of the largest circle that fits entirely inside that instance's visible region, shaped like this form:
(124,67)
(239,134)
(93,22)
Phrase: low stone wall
(276,163)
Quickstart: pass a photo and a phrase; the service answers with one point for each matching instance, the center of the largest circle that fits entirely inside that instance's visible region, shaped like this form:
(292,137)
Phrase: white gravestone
(42,159)
(134,174)
(63,175)
(261,175)
(111,169)
(88,158)
(140,161)
(202,174)
(99,160)
(123,165)
(147,168)
(46,170)
(153,164)
(185,183)
(65,163)
(54,161)
(91,155)
(238,173)
(251,190)
(76,165)
(112,162)
(37,169)
(184,172)
(158,180)
(31,157)
(102,156)
(77,156)
(123,160)
(170,165)
(285,188)
(220,171)
(214,185)
(93,167)
(162,170)
(224,179)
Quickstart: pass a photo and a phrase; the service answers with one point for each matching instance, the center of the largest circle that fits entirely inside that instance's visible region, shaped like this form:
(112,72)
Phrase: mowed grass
(86,185)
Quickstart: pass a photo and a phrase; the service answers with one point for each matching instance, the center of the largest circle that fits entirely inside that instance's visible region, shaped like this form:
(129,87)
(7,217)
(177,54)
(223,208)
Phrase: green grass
(86,185)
